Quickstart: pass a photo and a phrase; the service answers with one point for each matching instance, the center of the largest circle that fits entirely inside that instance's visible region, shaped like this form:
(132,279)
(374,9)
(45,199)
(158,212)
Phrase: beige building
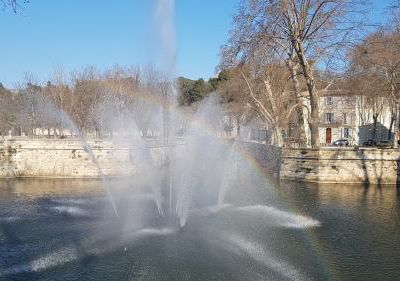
(338,119)
(349,117)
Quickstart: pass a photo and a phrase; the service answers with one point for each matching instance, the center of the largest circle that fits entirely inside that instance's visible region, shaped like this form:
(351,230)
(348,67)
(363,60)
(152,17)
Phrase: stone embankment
(341,165)
(68,158)
(329,164)
(268,157)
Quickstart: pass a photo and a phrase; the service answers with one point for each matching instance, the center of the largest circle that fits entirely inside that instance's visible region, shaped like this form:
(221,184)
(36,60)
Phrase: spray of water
(164,19)
(208,166)
(54,113)
(229,175)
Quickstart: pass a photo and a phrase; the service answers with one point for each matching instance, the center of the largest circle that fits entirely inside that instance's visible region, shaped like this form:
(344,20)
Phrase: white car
(341,142)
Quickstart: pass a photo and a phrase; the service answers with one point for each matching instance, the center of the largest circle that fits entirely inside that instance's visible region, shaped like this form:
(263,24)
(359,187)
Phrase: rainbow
(310,235)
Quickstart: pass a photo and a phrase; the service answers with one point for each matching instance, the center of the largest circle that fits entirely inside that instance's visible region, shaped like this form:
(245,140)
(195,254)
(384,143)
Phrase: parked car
(341,142)
(385,144)
(369,143)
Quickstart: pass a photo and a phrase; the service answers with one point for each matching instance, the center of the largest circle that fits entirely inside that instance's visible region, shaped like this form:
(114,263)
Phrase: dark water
(65,230)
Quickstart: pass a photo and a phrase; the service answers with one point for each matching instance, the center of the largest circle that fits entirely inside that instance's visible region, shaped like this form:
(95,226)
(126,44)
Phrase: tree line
(96,102)
(92,101)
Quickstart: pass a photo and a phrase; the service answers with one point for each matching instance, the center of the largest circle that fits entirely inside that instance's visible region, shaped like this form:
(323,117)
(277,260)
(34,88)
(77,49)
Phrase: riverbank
(67,158)
(341,165)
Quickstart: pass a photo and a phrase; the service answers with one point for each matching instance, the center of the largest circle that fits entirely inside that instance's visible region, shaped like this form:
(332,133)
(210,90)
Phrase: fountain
(184,201)
(197,205)
(197,183)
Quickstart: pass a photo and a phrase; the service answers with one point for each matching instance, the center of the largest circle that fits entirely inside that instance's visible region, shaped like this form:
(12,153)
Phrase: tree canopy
(14,5)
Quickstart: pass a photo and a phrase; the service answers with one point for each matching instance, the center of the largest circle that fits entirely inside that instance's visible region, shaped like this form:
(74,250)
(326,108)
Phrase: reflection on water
(42,187)
(360,234)
(65,230)
(376,204)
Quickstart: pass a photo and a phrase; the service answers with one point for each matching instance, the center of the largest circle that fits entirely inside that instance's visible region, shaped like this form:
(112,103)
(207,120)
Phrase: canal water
(66,230)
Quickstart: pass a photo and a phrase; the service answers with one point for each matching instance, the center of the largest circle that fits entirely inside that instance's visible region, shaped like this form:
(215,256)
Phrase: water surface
(66,230)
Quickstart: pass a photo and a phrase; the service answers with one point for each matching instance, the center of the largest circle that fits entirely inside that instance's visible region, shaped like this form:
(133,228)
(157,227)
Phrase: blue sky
(75,33)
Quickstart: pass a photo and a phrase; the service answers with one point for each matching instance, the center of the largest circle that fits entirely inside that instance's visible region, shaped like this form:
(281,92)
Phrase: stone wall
(267,156)
(341,165)
(68,158)
(299,164)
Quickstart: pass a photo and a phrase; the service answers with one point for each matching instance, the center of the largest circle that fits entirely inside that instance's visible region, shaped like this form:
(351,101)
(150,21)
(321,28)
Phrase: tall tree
(8,110)
(301,32)
(191,91)
(377,59)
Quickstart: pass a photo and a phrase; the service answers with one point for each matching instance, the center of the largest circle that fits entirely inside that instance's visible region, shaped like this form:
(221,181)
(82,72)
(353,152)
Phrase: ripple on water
(56,258)
(243,247)
(210,209)
(75,201)
(69,210)
(10,219)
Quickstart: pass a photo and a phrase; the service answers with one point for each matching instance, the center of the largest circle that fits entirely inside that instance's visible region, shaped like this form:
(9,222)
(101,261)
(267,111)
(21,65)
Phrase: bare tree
(376,63)
(300,32)
(262,89)
(14,5)
(233,94)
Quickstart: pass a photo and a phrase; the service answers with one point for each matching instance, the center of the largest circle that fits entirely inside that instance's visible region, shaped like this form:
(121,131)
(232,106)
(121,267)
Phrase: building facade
(338,119)
(351,118)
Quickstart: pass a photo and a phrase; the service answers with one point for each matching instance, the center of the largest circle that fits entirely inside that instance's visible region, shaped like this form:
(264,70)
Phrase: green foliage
(7,110)
(216,82)
(191,91)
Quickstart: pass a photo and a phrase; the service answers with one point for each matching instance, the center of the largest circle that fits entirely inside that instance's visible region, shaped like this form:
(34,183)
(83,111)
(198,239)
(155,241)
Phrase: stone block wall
(299,164)
(267,156)
(341,165)
(68,158)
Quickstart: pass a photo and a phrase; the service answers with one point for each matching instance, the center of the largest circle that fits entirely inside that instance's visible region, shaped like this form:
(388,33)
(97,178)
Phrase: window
(345,118)
(328,100)
(346,133)
(329,117)
(348,101)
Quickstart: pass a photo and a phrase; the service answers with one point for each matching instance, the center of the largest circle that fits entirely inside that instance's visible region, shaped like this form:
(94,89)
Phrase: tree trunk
(278,141)
(238,127)
(314,124)
(391,127)
(309,77)
(375,118)
(292,65)
(396,127)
